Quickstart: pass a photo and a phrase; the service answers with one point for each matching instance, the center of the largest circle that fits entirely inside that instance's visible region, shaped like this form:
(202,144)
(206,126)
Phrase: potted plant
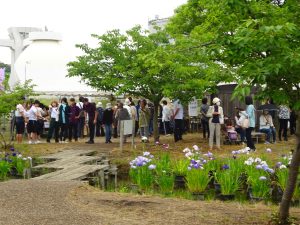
(229,182)
(180,169)
(4,169)
(197,180)
(164,175)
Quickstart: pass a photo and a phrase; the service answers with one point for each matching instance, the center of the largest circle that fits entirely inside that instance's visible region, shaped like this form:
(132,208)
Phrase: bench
(258,136)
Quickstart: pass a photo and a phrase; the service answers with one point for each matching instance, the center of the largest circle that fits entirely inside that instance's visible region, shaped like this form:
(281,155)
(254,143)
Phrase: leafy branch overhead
(139,64)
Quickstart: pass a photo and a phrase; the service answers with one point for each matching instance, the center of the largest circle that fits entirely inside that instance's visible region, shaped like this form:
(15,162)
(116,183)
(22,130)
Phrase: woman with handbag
(250,110)
(241,122)
(215,113)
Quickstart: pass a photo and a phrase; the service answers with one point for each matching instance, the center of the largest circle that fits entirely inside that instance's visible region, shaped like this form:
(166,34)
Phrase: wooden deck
(74,165)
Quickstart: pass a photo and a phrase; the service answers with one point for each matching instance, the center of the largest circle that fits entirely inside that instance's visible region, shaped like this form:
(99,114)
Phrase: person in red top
(91,115)
(73,120)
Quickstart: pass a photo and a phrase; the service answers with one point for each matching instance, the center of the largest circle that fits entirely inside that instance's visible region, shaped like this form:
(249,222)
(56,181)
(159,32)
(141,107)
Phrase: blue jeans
(108,129)
(269,132)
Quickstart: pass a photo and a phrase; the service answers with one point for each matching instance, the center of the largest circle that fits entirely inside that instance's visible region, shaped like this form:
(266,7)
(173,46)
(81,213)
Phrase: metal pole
(133,133)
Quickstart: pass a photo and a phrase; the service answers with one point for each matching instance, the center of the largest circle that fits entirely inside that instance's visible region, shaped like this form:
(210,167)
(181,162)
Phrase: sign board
(193,108)
(128,126)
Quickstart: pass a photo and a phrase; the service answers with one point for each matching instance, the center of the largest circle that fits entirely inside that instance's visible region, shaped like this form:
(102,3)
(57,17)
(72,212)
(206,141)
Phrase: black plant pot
(276,194)
(179,182)
(217,188)
(252,198)
(229,197)
(198,196)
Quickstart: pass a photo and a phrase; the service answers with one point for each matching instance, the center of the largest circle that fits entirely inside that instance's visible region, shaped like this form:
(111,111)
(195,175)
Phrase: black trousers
(250,143)
(54,127)
(63,131)
(205,128)
(73,131)
(92,130)
(178,130)
(283,126)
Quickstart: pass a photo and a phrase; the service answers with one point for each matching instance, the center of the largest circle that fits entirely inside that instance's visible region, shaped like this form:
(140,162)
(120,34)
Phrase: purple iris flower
(225,167)
(259,167)
(12,149)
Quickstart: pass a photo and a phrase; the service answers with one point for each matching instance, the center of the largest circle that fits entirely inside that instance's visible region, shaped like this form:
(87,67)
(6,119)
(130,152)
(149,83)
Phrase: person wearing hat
(215,113)
(108,116)
(99,124)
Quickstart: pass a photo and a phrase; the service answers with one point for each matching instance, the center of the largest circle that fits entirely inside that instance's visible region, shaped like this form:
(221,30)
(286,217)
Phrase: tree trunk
(155,122)
(292,179)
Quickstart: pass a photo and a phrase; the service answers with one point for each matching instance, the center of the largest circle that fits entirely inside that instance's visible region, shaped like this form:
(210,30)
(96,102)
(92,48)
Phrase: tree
(258,43)
(8,101)
(139,64)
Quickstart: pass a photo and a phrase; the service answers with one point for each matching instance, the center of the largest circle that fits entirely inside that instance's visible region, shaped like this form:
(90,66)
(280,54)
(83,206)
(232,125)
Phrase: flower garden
(240,176)
(14,165)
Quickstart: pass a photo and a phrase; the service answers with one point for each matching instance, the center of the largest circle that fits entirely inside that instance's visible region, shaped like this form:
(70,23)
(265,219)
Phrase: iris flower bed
(239,174)
(13,164)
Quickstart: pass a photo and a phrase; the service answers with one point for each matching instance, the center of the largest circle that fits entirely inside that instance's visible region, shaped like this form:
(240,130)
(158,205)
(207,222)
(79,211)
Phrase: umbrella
(269,107)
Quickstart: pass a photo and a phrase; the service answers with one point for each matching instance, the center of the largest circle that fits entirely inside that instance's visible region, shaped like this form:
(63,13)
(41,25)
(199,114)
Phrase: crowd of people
(244,123)
(70,120)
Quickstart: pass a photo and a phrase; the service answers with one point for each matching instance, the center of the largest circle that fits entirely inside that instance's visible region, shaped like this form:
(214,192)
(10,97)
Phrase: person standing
(54,125)
(204,119)
(41,112)
(73,120)
(121,114)
(284,116)
(250,111)
(91,114)
(81,120)
(144,118)
(178,119)
(99,124)
(166,116)
(64,113)
(215,113)
(20,122)
(108,116)
(32,122)
(241,115)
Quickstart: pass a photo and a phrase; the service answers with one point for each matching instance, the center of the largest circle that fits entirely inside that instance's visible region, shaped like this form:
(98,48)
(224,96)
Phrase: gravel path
(29,202)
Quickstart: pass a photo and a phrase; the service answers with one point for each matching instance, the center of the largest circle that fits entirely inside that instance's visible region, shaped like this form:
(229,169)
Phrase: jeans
(73,131)
(54,127)
(283,126)
(108,129)
(151,126)
(144,131)
(99,129)
(178,130)
(269,132)
(241,132)
(214,129)
(205,128)
(250,143)
(92,130)
(80,127)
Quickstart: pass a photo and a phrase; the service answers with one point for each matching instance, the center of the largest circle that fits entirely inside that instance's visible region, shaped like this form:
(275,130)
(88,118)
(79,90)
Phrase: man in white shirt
(32,123)
(166,116)
(178,118)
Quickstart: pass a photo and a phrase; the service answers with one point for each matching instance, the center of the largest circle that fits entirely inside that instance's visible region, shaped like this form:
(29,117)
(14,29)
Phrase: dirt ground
(107,208)
(128,209)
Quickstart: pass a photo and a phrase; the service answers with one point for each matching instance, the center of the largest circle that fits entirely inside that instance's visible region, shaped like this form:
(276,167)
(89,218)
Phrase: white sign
(193,108)
(128,126)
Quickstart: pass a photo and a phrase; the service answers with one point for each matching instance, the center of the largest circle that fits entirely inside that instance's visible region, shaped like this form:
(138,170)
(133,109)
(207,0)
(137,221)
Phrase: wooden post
(121,135)
(133,133)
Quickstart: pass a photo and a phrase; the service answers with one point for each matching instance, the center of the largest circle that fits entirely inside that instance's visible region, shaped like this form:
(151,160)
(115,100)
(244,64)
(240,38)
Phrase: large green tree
(258,43)
(140,64)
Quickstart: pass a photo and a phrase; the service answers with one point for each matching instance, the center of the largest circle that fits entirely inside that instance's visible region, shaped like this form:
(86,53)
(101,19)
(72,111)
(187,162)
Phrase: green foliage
(260,188)
(180,167)
(229,181)
(256,42)
(164,174)
(282,178)
(197,180)
(4,169)
(20,164)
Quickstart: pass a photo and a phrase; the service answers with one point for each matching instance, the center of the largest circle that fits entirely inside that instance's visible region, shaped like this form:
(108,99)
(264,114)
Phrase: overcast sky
(77,19)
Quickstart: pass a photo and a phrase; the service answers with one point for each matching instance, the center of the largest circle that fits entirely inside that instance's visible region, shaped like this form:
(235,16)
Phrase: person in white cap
(215,113)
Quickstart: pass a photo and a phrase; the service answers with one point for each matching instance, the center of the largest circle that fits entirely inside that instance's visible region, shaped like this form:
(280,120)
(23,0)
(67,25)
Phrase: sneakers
(90,142)
(267,143)
(38,142)
(30,142)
